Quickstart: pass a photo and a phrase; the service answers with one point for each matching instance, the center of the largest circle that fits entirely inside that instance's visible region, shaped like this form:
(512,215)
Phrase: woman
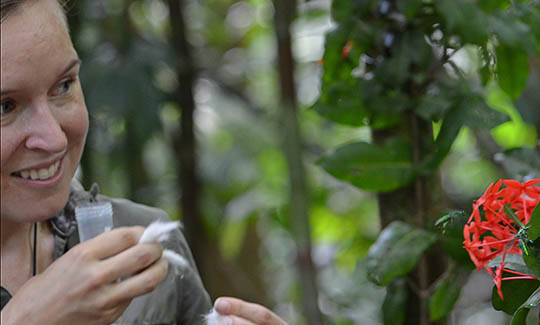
(47,276)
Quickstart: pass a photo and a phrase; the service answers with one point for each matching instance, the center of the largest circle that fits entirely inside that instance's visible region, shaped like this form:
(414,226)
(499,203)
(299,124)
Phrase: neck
(17,252)
(13,234)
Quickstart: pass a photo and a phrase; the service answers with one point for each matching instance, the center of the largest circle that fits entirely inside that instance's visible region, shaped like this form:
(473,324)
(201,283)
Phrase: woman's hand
(239,312)
(81,287)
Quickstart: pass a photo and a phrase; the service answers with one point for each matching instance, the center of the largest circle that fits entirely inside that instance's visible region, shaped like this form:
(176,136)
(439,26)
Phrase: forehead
(33,37)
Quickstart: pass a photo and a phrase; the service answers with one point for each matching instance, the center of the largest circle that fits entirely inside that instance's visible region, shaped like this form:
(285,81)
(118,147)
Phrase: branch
(228,88)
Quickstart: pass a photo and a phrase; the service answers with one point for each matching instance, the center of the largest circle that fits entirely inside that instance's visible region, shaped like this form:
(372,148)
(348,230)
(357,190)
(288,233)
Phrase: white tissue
(159,231)
(175,258)
(213,318)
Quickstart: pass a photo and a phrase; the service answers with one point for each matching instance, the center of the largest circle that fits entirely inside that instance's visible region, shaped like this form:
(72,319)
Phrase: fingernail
(226,321)
(223,306)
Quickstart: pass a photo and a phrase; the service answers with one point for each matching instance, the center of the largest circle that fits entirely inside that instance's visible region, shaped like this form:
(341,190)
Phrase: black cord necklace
(34,258)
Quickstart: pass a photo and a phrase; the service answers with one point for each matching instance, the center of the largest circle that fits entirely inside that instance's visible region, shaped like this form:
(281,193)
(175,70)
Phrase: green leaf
(452,123)
(512,70)
(395,302)
(432,107)
(342,103)
(407,47)
(530,13)
(341,97)
(492,5)
(409,8)
(452,239)
(341,10)
(464,18)
(532,259)
(393,72)
(515,293)
(396,252)
(513,33)
(470,110)
(512,262)
(336,67)
(514,134)
(417,48)
(520,316)
(478,115)
(528,103)
(446,293)
(371,167)
(345,9)
(534,223)
(384,103)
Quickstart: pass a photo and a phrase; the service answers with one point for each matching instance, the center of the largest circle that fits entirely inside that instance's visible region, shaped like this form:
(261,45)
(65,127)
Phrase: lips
(43,173)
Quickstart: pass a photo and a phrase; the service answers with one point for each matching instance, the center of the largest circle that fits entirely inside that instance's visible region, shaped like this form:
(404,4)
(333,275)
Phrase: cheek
(9,138)
(76,126)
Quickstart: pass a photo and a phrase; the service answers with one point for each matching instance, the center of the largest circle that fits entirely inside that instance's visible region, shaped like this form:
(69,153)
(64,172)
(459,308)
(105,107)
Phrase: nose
(44,129)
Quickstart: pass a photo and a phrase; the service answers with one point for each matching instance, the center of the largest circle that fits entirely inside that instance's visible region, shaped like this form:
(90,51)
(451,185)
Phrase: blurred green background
(133,63)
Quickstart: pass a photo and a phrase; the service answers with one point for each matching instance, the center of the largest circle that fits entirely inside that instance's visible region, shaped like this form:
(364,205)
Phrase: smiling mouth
(39,174)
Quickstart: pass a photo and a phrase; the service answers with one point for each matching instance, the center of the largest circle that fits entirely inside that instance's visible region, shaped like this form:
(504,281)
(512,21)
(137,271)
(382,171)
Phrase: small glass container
(94,219)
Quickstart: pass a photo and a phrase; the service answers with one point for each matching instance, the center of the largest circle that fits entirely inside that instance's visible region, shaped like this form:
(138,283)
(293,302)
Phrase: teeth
(52,169)
(41,174)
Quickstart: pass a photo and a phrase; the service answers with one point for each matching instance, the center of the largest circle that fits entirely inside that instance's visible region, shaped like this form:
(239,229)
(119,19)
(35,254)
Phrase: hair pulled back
(9,6)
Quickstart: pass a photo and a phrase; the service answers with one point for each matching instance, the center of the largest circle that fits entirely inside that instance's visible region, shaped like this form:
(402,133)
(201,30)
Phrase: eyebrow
(70,66)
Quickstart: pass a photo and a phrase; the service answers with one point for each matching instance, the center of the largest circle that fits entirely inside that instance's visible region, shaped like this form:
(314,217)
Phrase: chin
(40,210)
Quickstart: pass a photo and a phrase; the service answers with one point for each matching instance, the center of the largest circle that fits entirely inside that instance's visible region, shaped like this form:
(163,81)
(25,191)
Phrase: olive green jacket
(179,299)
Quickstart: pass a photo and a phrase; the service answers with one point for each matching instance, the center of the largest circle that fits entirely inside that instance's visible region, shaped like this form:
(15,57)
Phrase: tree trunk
(137,174)
(299,205)
(416,205)
(184,140)
(239,277)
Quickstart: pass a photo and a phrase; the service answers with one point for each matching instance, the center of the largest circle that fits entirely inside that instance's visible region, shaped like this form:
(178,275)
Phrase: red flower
(490,232)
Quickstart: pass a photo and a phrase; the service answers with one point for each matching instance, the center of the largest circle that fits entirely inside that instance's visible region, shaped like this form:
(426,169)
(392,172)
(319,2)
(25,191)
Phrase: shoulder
(128,213)
(125,212)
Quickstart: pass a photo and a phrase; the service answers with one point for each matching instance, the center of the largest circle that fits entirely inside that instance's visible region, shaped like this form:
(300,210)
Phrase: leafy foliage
(384,63)
(434,62)
(395,302)
(520,315)
(446,293)
(516,292)
(396,252)
(371,167)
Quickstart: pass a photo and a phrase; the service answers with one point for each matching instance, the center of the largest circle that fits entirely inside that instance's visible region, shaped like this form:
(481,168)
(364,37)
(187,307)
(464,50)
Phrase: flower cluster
(490,232)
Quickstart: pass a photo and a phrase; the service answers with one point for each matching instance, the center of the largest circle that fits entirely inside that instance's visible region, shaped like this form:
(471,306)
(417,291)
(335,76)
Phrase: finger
(235,320)
(141,283)
(112,242)
(255,313)
(130,261)
(116,312)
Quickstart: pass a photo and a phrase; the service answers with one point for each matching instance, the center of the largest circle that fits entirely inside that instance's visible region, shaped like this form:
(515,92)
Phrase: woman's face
(43,115)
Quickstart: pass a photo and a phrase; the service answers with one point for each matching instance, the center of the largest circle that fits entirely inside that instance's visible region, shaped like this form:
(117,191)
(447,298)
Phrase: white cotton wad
(214,318)
(159,231)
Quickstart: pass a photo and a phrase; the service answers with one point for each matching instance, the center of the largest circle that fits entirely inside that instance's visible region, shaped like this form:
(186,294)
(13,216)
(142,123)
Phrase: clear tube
(94,219)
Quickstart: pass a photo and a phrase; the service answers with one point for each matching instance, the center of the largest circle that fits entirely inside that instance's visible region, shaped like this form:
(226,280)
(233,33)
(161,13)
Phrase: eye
(7,107)
(63,87)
